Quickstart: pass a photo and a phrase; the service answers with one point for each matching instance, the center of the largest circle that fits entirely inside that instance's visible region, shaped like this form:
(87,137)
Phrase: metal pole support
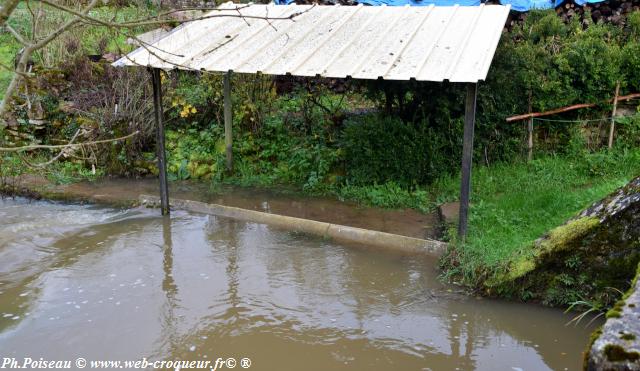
(467,158)
(162,160)
(228,135)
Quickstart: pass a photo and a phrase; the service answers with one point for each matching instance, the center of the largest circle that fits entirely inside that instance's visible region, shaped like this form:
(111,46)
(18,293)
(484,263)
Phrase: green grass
(514,204)
(9,46)
(388,195)
(8,49)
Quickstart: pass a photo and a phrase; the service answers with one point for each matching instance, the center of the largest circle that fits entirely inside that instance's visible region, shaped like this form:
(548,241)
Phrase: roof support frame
(156,82)
(228,121)
(467,144)
(467,158)
(458,55)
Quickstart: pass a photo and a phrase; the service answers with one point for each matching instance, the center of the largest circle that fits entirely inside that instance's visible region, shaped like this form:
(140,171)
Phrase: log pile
(612,11)
(609,12)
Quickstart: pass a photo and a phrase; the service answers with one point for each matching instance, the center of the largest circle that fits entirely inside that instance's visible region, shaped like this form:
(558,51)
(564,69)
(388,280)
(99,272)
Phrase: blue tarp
(525,5)
(518,5)
(420,2)
(582,2)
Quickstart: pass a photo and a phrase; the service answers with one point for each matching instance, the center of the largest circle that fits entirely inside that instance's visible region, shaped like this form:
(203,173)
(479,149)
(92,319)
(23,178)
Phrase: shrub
(379,149)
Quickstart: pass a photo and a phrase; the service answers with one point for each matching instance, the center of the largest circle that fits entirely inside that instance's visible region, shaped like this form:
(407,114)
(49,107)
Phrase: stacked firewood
(611,11)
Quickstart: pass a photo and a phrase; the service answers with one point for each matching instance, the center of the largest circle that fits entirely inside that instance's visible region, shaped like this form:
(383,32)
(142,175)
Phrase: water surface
(108,284)
(406,222)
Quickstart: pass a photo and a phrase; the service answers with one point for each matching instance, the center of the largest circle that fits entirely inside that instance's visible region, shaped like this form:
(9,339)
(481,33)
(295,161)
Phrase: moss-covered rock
(617,345)
(588,258)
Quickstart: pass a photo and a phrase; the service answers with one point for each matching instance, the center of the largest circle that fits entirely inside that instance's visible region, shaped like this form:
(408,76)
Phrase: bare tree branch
(150,22)
(17,36)
(122,28)
(68,145)
(24,74)
(62,152)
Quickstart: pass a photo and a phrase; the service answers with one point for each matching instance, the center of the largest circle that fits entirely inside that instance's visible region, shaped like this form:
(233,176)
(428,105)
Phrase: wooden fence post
(612,126)
(530,131)
(530,139)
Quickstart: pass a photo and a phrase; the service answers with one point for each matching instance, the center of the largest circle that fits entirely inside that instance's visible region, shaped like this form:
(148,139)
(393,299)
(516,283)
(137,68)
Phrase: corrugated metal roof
(395,43)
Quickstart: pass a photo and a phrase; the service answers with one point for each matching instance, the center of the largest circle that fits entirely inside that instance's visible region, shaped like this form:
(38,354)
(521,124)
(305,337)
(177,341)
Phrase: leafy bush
(540,64)
(194,153)
(379,149)
(275,156)
(630,64)
(628,131)
(589,64)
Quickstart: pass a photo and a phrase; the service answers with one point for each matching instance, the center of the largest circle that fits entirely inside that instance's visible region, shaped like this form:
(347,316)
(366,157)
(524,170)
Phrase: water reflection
(129,284)
(168,284)
(169,319)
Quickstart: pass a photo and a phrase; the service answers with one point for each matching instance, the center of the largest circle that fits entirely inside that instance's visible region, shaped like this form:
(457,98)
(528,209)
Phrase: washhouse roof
(433,43)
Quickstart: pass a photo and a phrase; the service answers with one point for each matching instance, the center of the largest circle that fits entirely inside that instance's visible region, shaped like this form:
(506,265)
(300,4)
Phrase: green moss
(634,283)
(616,353)
(594,336)
(616,311)
(627,336)
(559,239)
(562,237)
(519,268)
(592,339)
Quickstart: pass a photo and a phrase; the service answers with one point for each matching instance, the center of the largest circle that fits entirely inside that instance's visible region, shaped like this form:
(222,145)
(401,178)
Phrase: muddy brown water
(126,284)
(406,222)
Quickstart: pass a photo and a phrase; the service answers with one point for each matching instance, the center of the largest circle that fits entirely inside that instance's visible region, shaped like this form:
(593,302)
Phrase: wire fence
(543,134)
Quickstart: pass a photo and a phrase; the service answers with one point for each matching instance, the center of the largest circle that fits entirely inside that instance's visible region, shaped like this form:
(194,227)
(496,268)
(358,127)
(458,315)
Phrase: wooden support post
(467,158)
(228,135)
(162,160)
(530,139)
(612,126)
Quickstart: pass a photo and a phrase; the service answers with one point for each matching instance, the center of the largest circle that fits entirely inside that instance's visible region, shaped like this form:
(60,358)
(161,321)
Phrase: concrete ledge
(328,230)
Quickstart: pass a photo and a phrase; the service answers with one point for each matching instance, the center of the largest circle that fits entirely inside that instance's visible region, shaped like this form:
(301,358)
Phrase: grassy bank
(514,204)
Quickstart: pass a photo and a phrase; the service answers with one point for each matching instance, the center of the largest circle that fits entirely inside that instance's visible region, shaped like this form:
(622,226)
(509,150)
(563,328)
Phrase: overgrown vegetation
(83,41)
